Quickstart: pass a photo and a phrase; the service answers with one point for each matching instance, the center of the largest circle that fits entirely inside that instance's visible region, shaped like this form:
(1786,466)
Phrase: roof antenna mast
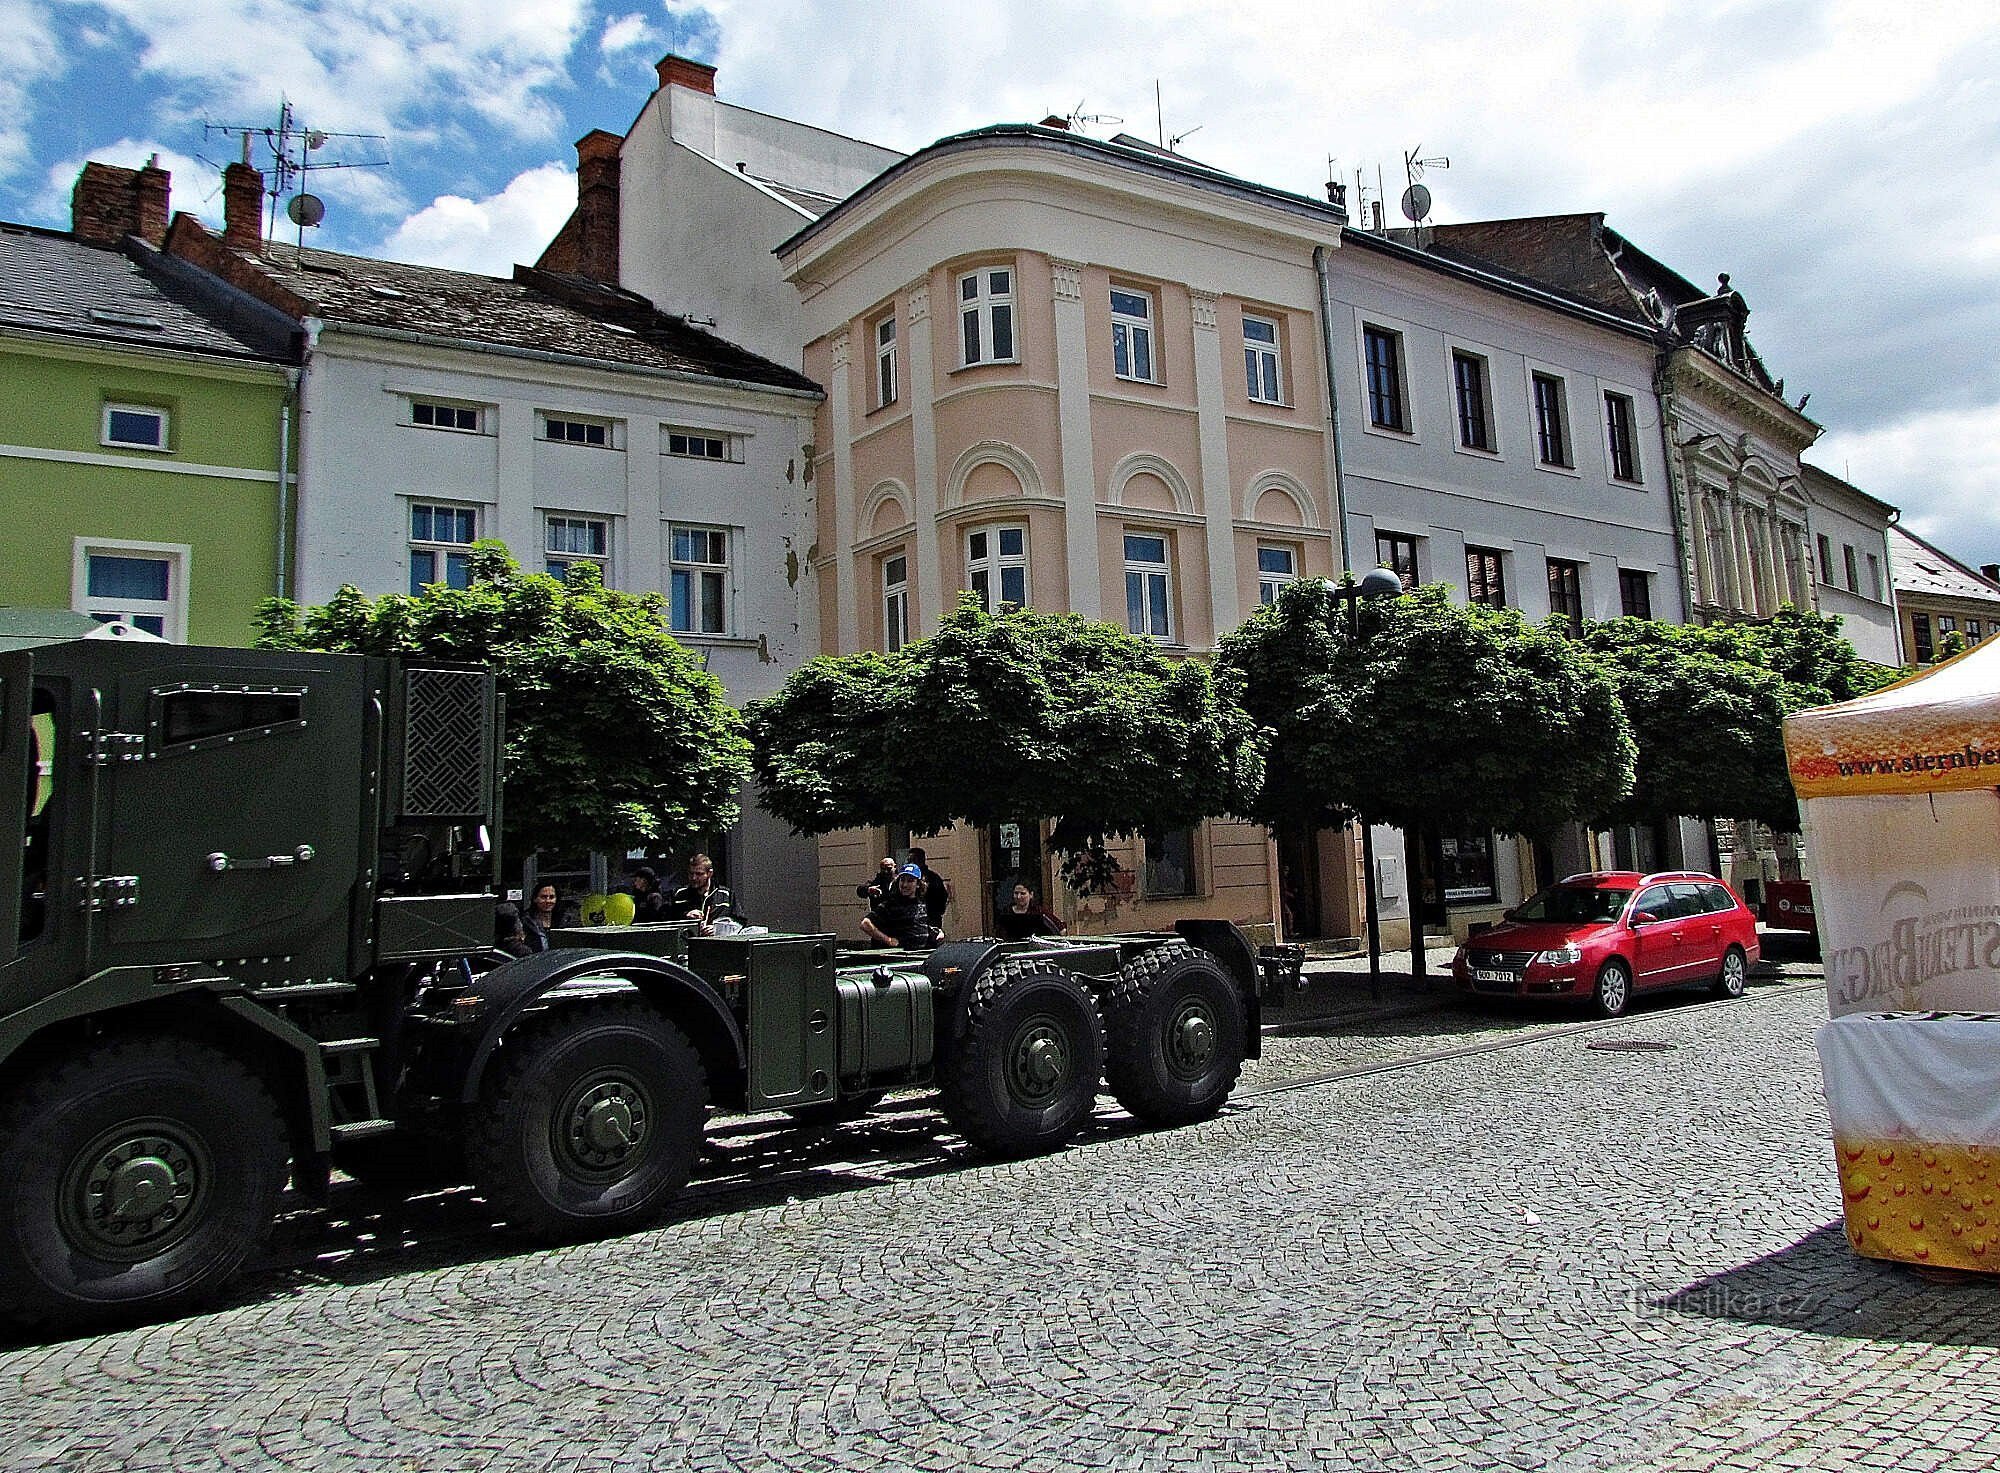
(293,146)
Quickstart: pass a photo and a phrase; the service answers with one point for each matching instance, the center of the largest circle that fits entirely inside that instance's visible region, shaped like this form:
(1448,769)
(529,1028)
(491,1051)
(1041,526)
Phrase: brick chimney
(1991,571)
(679,71)
(243,209)
(151,187)
(596,242)
(105,206)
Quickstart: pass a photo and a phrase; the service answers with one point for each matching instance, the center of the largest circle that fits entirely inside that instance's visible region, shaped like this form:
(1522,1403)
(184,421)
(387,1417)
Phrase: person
(540,917)
(937,894)
(701,899)
(1024,919)
(904,917)
(648,904)
(876,889)
(507,933)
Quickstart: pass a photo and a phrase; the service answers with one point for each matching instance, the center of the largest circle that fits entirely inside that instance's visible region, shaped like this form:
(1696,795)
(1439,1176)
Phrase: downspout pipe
(1325,275)
(292,376)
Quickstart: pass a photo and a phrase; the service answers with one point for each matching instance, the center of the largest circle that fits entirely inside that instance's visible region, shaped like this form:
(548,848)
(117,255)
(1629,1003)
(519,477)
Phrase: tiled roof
(1918,568)
(542,311)
(1562,252)
(53,283)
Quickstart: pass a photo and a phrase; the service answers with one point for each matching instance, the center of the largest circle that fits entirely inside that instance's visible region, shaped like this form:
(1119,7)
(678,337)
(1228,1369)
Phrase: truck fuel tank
(888,1028)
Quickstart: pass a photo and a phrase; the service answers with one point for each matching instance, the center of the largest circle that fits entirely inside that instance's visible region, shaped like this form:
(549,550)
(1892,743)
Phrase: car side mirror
(1511,914)
(1644,918)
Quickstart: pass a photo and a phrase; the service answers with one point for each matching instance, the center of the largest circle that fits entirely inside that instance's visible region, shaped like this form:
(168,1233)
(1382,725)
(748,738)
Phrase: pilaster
(1079,473)
(1225,596)
(846,572)
(924,474)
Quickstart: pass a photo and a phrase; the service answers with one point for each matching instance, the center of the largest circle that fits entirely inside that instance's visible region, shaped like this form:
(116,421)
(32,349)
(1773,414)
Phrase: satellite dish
(1416,203)
(305,209)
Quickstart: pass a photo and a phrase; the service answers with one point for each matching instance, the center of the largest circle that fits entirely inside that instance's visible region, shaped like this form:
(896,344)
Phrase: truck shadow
(1819,1286)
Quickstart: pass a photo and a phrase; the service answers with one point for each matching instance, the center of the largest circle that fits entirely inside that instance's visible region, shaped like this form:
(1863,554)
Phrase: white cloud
(1942,468)
(626,31)
(28,53)
(488,235)
(197,188)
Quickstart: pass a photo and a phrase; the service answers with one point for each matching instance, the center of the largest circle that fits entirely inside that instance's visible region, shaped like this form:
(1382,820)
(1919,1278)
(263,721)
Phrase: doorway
(1300,910)
(1013,851)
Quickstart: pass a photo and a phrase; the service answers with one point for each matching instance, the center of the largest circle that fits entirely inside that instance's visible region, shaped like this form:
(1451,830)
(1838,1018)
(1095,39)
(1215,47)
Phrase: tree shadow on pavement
(1820,1286)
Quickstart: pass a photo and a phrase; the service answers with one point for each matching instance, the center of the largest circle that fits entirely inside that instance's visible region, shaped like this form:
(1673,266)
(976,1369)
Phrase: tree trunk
(1413,869)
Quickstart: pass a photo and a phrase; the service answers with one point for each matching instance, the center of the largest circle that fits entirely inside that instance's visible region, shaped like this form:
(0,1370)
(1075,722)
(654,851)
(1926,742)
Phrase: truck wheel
(1175,1035)
(592,1121)
(139,1175)
(1023,1077)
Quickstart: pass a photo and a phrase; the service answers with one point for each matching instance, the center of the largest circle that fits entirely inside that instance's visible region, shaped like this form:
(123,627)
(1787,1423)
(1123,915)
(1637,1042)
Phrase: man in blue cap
(902,919)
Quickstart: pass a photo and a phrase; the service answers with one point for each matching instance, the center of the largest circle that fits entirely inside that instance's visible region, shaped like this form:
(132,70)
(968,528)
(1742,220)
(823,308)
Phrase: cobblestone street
(1506,1246)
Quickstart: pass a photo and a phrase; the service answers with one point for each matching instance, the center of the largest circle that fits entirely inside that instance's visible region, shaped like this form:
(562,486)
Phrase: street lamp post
(1376,583)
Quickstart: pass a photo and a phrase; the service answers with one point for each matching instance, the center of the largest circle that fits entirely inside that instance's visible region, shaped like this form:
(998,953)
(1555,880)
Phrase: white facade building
(1851,559)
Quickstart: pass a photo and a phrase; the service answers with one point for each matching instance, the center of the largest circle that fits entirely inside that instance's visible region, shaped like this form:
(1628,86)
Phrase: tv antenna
(1416,201)
(1170,142)
(1078,117)
(295,150)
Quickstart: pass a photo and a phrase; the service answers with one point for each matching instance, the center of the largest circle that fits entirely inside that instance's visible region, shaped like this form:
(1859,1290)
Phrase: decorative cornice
(1068,279)
(1204,310)
(1694,372)
(920,303)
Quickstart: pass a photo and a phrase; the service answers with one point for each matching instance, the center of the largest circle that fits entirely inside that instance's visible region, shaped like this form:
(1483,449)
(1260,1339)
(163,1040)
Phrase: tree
(1430,715)
(616,735)
(1018,718)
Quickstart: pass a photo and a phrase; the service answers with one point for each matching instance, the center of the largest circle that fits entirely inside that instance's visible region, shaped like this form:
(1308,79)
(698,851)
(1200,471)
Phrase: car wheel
(1023,1076)
(1613,993)
(1729,982)
(1174,1031)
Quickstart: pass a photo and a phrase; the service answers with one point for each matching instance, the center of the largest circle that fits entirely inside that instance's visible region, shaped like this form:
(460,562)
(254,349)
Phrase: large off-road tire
(135,1178)
(1613,993)
(1175,1033)
(591,1121)
(1023,1076)
(1735,973)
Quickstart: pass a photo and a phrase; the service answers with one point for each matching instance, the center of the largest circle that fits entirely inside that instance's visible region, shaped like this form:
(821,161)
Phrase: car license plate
(1483,974)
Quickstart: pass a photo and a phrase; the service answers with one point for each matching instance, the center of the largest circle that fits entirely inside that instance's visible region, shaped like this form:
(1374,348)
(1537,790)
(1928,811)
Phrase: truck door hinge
(108,748)
(107,892)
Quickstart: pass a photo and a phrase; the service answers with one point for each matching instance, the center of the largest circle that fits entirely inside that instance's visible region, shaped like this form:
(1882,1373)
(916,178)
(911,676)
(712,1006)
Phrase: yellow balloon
(591,912)
(619,910)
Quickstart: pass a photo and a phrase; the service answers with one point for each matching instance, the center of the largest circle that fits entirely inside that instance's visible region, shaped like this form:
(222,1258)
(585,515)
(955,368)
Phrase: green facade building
(145,415)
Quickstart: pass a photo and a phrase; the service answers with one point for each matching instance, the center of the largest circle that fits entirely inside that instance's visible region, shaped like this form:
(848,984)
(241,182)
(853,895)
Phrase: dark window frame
(1551,405)
(1635,593)
(1566,591)
(1619,418)
(1486,577)
(1389,548)
(1382,357)
(1470,397)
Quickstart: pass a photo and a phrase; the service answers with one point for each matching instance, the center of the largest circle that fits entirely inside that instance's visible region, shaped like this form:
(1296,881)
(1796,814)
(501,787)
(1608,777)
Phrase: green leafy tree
(616,735)
(1430,715)
(1018,718)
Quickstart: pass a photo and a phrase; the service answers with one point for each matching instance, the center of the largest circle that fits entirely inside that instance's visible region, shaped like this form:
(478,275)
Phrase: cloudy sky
(1839,160)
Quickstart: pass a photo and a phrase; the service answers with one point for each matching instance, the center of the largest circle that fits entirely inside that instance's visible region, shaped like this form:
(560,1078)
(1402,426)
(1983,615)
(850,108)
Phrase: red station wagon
(1606,936)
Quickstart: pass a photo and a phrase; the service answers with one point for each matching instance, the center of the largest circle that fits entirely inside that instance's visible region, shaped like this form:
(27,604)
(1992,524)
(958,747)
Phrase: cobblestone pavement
(1549,1256)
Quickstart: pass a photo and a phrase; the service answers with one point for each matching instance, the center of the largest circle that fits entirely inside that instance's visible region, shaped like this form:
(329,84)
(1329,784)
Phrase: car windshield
(1574,903)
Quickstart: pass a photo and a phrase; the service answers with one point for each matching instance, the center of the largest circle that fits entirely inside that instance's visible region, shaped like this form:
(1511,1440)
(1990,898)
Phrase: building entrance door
(1298,884)
(1013,852)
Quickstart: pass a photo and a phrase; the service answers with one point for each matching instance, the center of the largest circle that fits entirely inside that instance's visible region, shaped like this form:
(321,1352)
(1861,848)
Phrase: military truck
(253,914)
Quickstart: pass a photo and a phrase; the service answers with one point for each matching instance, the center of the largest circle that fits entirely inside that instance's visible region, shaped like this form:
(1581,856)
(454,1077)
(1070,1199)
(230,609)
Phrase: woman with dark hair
(1024,919)
(540,915)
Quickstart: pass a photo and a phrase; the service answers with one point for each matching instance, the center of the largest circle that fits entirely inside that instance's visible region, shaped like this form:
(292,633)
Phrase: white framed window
(895,601)
(440,414)
(704,444)
(579,429)
(441,539)
(1132,335)
(144,584)
(1550,396)
(571,539)
(698,580)
(135,427)
(1276,566)
(996,564)
(1149,588)
(1260,360)
(885,361)
(986,316)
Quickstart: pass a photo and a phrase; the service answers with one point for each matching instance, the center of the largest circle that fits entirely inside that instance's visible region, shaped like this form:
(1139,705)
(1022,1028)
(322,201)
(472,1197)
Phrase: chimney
(1992,571)
(243,209)
(1052,121)
(597,205)
(104,205)
(679,71)
(151,187)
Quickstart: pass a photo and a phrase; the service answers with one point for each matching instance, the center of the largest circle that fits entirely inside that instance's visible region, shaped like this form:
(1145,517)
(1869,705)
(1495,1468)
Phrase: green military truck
(253,914)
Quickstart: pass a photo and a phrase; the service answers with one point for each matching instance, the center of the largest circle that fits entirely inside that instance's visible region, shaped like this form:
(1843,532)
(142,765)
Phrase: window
(118,582)
(997,558)
(1170,865)
(1566,592)
(441,539)
(1276,566)
(573,431)
(1475,408)
(895,602)
(185,718)
(1947,624)
(1551,420)
(1874,577)
(1920,630)
(1618,437)
(698,580)
(1399,555)
(1973,631)
(1132,335)
(135,427)
(704,445)
(885,362)
(1847,564)
(1635,593)
(1148,594)
(1383,352)
(986,315)
(1465,868)
(435,415)
(1825,560)
(1260,359)
(1484,581)
(578,540)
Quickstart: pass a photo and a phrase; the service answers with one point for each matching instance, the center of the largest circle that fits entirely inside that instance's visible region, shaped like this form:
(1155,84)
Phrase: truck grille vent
(444,751)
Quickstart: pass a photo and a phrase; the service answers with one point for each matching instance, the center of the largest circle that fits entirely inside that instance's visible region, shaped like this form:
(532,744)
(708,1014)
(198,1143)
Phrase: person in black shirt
(701,899)
(876,889)
(937,894)
(1025,919)
(648,904)
(902,919)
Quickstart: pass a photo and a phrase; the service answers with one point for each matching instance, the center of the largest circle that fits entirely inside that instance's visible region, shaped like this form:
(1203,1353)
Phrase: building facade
(1941,604)
(1854,568)
(145,424)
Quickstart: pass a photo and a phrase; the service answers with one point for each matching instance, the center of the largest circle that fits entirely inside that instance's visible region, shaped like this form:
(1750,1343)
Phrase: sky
(1839,160)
